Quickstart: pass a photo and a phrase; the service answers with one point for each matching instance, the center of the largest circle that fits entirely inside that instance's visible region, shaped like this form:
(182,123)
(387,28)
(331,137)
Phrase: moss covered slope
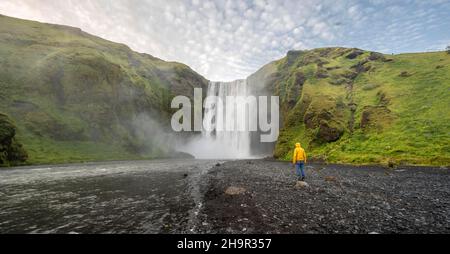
(11,151)
(354,106)
(75,97)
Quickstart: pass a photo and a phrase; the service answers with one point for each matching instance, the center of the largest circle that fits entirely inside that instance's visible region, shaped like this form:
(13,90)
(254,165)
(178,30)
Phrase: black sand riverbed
(339,199)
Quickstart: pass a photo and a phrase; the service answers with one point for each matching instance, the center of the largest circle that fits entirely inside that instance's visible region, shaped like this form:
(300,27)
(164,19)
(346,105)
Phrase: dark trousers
(300,168)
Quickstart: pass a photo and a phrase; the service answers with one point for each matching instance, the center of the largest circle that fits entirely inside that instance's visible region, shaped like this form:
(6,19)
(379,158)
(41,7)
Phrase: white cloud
(225,39)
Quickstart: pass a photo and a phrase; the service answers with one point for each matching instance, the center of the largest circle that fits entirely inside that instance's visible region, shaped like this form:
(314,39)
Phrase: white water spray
(217,141)
(229,129)
(234,143)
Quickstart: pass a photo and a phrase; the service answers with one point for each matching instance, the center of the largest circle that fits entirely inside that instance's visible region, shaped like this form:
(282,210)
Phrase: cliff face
(77,97)
(354,106)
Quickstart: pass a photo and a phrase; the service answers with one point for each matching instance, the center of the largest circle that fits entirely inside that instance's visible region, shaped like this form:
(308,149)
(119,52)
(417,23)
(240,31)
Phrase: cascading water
(229,130)
(225,123)
(225,134)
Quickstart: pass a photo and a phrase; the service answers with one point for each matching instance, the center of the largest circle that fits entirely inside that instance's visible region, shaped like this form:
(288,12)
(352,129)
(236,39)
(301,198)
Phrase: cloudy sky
(230,39)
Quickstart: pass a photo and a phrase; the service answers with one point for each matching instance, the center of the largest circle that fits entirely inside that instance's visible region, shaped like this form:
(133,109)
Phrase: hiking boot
(303,179)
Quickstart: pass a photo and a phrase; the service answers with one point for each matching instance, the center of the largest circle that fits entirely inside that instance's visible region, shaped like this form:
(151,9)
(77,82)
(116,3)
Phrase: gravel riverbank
(195,196)
(339,199)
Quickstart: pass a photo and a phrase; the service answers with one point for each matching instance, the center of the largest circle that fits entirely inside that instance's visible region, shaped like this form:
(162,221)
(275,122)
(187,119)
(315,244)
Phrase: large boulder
(233,191)
(329,131)
(301,185)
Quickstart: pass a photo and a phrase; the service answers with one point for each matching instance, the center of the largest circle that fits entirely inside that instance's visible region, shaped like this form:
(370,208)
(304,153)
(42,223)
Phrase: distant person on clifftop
(299,160)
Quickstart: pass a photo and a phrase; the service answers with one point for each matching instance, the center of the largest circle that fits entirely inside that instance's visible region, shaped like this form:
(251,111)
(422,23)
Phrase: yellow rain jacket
(299,154)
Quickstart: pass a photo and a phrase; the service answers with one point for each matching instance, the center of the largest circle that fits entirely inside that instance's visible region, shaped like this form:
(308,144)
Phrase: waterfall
(230,143)
(229,130)
(217,141)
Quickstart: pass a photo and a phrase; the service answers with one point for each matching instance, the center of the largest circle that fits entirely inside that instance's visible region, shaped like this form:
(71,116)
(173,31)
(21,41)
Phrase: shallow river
(113,197)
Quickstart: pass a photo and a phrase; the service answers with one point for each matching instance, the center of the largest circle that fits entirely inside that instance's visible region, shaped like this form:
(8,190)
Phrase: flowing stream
(160,196)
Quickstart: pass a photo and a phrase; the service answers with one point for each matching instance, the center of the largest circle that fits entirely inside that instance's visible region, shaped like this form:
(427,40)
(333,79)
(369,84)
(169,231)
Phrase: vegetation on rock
(353,106)
(76,97)
(11,151)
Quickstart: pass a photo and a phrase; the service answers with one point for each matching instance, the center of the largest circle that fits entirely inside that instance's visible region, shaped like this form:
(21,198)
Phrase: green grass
(415,131)
(47,151)
(74,96)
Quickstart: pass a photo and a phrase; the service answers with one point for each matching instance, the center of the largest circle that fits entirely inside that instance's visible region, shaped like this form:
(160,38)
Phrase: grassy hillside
(353,106)
(77,97)
(67,96)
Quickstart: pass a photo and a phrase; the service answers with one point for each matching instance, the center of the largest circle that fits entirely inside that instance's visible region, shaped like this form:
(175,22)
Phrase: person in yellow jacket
(299,160)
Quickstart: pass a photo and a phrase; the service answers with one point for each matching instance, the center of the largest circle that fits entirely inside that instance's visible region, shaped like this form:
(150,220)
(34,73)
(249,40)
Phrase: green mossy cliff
(354,106)
(76,97)
(11,151)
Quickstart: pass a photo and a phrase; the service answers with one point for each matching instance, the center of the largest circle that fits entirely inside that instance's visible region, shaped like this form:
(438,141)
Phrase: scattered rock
(374,56)
(330,179)
(383,99)
(350,75)
(301,185)
(321,63)
(362,66)
(355,53)
(391,164)
(333,68)
(218,165)
(321,73)
(233,191)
